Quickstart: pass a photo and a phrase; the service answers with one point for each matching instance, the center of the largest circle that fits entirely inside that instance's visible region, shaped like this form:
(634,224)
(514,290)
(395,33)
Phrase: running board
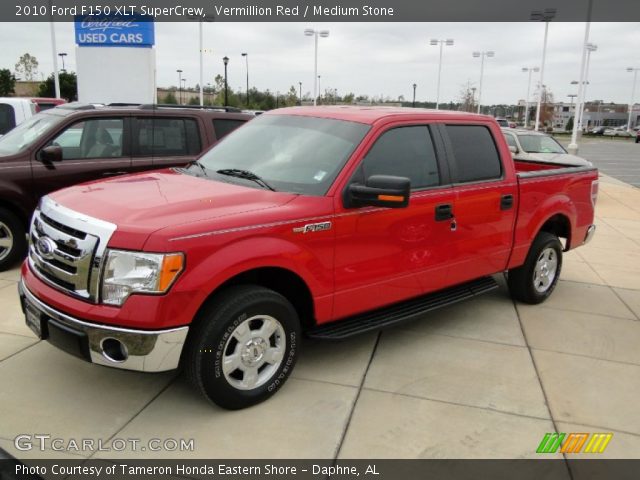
(401,312)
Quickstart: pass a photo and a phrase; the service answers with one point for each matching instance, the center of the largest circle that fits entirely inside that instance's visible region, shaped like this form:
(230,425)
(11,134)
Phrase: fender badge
(313,227)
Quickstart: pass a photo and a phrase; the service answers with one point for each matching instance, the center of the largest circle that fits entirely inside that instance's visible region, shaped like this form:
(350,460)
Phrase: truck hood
(142,203)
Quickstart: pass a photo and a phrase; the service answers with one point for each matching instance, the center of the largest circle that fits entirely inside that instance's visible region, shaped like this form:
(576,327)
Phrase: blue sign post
(115,31)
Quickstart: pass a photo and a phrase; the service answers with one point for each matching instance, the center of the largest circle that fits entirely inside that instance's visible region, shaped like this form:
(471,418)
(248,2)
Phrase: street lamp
(179,86)
(482,55)
(442,43)
(246,58)
(206,18)
(316,33)
(545,16)
(225,60)
(414,95)
(526,108)
(590,48)
(319,91)
(300,83)
(635,71)
(62,55)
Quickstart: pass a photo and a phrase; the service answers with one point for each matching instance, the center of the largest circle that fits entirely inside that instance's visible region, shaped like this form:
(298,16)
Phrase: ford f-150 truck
(328,221)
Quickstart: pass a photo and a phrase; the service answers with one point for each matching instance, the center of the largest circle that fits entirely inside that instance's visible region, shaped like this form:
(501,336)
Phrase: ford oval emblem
(45,247)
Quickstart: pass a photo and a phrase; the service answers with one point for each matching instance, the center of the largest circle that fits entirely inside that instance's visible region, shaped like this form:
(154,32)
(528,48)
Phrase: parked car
(513,125)
(617,132)
(598,130)
(330,221)
(75,143)
(529,145)
(14,111)
(503,122)
(45,103)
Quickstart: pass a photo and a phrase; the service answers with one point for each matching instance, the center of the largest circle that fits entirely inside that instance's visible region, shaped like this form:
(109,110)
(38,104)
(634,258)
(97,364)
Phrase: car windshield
(18,139)
(540,144)
(289,152)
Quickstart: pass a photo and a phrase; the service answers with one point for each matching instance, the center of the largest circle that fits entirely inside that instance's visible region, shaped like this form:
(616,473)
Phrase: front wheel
(13,241)
(243,346)
(534,281)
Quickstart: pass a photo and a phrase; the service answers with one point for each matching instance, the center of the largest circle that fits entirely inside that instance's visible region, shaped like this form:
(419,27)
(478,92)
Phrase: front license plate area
(33,318)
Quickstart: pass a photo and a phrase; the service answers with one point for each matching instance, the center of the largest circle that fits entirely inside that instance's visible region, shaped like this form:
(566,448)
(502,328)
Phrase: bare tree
(467,98)
(27,67)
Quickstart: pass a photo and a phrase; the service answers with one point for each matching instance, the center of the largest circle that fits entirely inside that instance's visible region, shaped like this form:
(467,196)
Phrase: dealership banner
(114,31)
(325,11)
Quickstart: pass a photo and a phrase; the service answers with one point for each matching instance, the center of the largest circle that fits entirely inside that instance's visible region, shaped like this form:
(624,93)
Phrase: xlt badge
(313,227)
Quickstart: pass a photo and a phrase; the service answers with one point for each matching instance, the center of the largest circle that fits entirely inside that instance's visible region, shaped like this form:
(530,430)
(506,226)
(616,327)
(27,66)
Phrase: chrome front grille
(66,249)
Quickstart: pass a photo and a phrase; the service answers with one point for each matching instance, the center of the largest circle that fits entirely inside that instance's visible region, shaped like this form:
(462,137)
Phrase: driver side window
(94,138)
(404,152)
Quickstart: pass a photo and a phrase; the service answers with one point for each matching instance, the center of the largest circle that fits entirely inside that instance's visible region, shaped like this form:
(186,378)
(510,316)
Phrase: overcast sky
(373,58)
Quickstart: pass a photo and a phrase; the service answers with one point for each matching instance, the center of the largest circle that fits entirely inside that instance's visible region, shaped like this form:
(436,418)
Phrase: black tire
(522,280)
(212,339)
(11,230)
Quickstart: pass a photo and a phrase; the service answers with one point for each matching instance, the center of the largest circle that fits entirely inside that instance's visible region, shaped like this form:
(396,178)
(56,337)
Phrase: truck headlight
(128,272)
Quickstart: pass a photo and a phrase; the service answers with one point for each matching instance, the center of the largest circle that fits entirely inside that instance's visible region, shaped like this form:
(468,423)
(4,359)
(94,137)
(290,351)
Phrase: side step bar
(401,312)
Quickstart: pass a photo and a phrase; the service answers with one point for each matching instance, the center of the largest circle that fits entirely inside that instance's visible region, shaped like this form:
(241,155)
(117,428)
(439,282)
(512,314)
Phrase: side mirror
(513,149)
(380,191)
(52,153)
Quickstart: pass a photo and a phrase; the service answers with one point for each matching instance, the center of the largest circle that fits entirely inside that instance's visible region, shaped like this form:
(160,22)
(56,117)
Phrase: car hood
(140,204)
(563,158)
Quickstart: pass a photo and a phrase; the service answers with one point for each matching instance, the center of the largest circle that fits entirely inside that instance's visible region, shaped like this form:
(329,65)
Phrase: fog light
(114,350)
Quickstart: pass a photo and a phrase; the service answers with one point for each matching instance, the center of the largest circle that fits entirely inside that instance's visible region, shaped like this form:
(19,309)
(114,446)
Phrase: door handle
(506,202)
(444,212)
(112,174)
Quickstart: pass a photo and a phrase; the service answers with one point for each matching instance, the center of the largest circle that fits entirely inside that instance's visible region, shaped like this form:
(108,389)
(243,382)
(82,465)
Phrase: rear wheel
(243,346)
(534,281)
(13,242)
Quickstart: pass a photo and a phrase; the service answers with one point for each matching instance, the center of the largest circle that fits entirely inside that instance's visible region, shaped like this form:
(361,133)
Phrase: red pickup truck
(328,221)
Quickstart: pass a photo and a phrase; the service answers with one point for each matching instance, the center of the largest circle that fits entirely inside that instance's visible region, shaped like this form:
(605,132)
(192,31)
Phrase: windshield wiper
(202,167)
(247,175)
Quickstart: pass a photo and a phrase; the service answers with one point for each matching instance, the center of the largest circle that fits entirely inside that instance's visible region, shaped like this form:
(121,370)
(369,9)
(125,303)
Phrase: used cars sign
(114,31)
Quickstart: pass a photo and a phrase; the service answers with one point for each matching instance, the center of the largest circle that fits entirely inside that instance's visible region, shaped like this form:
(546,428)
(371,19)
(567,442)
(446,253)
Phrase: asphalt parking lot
(619,158)
(483,379)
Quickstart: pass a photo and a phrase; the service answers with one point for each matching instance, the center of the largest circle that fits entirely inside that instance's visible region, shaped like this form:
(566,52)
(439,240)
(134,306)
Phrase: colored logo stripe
(598,442)
(574,443)
(550,443)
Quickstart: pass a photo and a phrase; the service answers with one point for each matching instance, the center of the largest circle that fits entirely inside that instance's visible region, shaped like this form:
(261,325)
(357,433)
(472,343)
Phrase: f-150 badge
(313,227)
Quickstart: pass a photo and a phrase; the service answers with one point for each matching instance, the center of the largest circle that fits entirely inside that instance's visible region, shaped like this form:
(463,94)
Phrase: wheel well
(559,226)
(283,281)
(17,211)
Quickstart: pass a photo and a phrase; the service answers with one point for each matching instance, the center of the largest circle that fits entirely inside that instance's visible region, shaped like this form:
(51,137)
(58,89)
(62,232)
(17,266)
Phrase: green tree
(27,67)
(194,101)
(569,125)
(170,98)
(7,82)
(68,86)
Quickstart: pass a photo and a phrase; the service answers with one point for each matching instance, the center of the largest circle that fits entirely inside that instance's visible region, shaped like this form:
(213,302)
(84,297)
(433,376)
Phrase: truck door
(387,255)
(92,148)
(484,203)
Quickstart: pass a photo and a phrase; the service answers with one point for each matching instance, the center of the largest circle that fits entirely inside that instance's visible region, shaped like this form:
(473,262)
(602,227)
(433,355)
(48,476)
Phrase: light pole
(573,146)
(225,60)
(545,16)
(246,61)
(526,108)
(316,33)
(482,55)
(414,95)
(590,48)
(319,91)
(300,83)
(62,55)
(56,76)
(633,93)
(449,43)
(184,85)
(179,86)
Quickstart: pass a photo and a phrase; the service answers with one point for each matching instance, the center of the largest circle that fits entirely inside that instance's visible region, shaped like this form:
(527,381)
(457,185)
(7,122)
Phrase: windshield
(23,135)
(290,153)
(540,144)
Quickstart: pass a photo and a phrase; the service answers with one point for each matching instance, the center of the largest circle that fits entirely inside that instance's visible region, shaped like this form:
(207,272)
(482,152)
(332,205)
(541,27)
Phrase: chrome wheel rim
(546,270)
(6,241)
(253,352)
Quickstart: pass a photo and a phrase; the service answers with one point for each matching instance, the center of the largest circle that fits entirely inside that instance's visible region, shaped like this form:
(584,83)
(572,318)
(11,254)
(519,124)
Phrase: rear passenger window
(166,137)
(475,153)
(7,118)
(511,141)
(404,152)
(224,126)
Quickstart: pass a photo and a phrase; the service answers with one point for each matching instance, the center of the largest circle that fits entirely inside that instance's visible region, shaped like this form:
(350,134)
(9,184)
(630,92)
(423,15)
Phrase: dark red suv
(75,143)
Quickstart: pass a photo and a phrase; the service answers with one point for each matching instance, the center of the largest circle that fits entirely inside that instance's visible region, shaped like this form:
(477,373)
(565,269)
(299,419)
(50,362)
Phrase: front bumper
(589,235)
(128,349)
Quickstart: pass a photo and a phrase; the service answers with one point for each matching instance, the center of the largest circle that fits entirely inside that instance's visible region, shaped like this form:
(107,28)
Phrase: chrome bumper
(140,350)
(590,232)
